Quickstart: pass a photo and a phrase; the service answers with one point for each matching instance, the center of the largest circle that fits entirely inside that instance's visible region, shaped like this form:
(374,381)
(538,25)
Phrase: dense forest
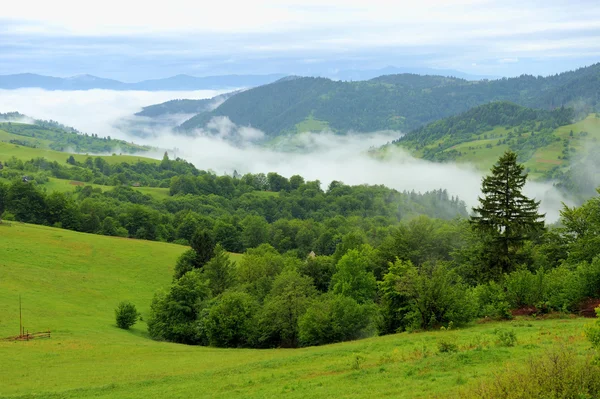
(240,211)
(400,102)
(62,138)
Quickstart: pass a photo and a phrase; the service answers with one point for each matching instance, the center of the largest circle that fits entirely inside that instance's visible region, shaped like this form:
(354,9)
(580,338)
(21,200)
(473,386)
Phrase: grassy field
(64,186)
(8,150)
(71,282)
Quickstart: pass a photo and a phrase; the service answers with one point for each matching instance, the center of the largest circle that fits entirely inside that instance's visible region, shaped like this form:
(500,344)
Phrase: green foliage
(126,315)
(335,318)
(506,217)
(446,345)
(284,306)
(185,263)
(436,295)
(258,268)
(558,374)
(354,276)
(220,271)
(173,314)
(203,245)
(506,337)
(320,269)
(231,320)
(592,332)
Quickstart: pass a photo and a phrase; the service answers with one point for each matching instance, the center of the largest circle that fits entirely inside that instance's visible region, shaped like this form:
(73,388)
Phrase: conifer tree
(506,217)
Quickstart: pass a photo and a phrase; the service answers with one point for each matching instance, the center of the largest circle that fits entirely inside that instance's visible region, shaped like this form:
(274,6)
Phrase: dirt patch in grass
(525,311)
(588,307)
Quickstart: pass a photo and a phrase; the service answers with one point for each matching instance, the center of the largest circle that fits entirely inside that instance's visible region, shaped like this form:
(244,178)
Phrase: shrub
(505,337)
(231,321)
(592,332)
(336,318)
(447,346)
(491,301)
(126,315)
(173,314)
(560,374)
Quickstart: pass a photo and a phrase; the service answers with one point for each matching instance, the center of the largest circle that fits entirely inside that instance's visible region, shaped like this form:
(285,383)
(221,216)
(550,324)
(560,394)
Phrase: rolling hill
(21,130)
(553,145)
(71,282)
(399,102)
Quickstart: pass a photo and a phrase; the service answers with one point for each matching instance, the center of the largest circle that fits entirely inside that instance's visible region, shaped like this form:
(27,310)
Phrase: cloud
(203,38)
(324,156)
(92,111)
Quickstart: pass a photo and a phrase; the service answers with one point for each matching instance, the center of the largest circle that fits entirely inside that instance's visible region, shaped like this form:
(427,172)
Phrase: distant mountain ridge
(392,102)
(178,82)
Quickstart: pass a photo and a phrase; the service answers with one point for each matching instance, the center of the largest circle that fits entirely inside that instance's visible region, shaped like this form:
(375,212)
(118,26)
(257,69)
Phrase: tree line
(423,274)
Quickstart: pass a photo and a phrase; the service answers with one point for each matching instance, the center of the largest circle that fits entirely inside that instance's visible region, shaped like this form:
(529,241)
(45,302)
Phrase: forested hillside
(400,102)
(437,137)
(55,136)
(184,106)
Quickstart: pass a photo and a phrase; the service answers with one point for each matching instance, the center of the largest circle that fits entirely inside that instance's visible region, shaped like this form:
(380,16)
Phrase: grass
(543,159)
(8,150)
(63,186)
(71,282)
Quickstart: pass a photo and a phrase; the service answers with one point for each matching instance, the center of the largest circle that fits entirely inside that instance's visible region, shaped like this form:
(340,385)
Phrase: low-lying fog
(331,157)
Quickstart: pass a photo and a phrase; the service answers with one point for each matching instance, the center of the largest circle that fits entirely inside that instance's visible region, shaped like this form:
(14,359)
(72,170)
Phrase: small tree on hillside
(506,217)
(126,315)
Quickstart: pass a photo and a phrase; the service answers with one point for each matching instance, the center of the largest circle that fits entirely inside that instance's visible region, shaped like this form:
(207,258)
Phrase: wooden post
(20,318)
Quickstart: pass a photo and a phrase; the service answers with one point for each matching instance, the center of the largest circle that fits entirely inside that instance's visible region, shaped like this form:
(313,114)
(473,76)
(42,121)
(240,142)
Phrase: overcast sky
(133,39)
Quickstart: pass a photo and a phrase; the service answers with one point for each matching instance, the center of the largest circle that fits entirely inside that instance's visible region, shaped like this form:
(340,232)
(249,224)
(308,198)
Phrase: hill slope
(71,282)
(19,129)
(400,102)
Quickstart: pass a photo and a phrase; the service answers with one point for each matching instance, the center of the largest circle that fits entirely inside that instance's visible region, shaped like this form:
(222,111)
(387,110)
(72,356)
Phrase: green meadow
(71,282)
(482,150)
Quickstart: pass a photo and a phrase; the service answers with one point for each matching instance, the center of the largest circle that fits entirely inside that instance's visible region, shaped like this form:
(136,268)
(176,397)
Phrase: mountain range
(178,82)
(187,82)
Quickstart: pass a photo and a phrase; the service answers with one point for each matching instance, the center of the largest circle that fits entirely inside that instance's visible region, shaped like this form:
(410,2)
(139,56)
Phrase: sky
(132,40)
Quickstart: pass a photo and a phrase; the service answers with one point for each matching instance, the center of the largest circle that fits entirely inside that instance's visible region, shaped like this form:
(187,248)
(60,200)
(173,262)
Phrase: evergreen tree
(506,217)
(204,246)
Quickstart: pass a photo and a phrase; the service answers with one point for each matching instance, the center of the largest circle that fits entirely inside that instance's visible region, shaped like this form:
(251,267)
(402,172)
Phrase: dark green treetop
(506,216)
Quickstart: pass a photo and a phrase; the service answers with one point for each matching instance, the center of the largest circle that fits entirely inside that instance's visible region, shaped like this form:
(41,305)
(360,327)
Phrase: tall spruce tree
(506,218)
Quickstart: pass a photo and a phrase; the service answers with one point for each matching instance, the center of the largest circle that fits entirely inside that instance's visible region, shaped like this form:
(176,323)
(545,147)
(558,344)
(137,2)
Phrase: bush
(126,315)
(505,337)
(560,374)
(592,332)
(231,321)
(447,346)
(491,301)
(336,318)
